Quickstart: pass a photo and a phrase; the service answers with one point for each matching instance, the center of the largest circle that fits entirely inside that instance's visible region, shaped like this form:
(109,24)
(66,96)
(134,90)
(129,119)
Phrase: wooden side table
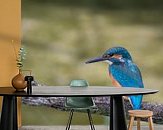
(138,114)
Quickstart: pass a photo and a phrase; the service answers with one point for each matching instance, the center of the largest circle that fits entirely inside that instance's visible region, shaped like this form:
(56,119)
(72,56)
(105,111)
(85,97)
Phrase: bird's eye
(111,55)
(106,56)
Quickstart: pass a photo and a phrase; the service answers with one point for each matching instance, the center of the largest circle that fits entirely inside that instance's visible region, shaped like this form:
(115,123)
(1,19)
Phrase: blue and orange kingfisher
(123,71)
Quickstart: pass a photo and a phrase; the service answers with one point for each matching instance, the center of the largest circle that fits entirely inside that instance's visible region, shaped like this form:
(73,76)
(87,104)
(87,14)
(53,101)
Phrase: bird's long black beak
(97,59)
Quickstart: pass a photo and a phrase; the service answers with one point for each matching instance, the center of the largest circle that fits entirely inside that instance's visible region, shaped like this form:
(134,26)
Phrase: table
(117,114)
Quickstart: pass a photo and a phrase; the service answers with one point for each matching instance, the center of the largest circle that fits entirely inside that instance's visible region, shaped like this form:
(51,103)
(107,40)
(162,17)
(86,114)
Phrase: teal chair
(84,104)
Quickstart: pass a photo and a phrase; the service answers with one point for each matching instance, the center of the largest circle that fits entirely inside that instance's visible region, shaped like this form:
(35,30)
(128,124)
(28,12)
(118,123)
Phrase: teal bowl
(79,83)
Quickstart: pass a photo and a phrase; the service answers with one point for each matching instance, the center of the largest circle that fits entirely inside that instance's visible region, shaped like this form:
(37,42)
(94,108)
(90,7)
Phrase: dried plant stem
(14,49)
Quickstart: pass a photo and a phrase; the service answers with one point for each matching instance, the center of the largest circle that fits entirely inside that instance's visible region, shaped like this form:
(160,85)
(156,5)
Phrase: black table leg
(9,113)
(117,114)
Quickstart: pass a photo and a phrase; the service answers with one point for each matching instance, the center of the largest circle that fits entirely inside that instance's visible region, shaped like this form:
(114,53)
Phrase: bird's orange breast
(114,82)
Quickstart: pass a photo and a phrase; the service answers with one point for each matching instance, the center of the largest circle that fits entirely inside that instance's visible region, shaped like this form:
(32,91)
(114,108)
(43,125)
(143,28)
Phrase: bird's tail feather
(136,101)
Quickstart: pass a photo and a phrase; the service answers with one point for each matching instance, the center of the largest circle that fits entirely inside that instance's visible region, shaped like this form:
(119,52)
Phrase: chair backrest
(79,102)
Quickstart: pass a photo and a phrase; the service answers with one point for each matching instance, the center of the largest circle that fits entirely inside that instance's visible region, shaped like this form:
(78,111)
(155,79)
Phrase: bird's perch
(103,105)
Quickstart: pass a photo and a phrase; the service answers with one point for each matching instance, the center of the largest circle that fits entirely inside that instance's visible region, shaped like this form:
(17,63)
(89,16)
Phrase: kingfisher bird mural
(122,71)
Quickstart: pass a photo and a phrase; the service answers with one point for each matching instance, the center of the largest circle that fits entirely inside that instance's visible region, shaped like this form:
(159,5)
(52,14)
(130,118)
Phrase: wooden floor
(77,127)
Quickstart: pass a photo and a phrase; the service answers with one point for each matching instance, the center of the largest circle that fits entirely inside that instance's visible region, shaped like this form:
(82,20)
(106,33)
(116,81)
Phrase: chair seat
(79,102)
(140,113)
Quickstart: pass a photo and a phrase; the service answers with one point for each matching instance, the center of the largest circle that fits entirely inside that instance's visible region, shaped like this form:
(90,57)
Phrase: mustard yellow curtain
(10,29)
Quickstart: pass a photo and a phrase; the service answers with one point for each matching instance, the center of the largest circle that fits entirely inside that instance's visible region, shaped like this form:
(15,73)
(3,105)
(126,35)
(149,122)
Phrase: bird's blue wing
(128,74)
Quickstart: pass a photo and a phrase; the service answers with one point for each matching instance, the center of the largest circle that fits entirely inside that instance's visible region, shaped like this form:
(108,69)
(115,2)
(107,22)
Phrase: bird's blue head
(113,55)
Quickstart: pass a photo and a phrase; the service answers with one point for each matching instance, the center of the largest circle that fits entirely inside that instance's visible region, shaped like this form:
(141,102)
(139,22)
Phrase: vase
(18,82)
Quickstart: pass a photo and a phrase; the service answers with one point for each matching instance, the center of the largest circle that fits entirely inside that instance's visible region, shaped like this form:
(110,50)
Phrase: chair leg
(90,120)
(131,123)
(138,123)
(70,119)
(150,123)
